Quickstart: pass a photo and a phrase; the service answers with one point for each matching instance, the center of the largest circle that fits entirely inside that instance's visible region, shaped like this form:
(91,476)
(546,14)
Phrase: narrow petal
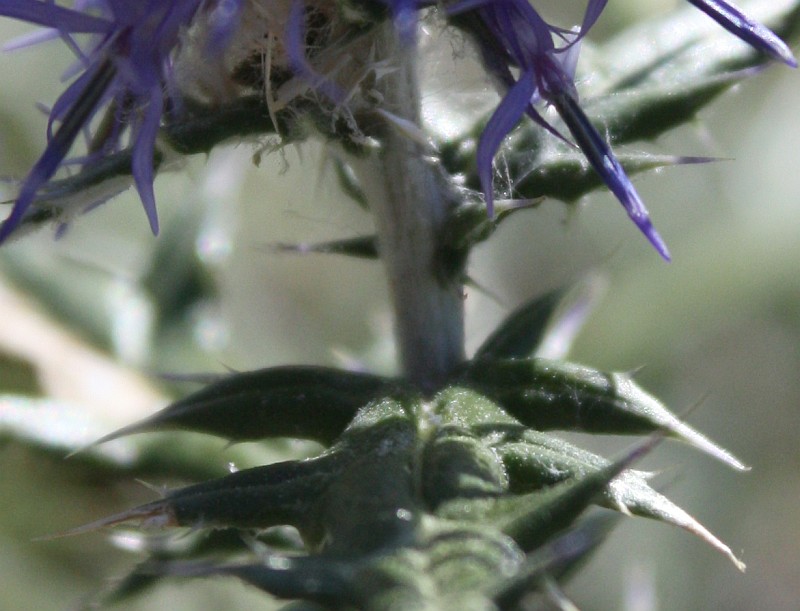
(464,6)
(752,32)
(592,14)
(58,146)
(143,149)
(502,121)
(605,163)
(51,15)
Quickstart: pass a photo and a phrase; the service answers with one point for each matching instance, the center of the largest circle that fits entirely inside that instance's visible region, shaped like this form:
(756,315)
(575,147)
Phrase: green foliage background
(719,326)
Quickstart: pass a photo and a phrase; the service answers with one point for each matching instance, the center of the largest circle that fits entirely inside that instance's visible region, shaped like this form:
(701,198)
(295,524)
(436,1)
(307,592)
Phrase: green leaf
(331,499)
(565,175)
(323,580)
(199,128)
(545,326)
(553,559)
(164,550)
(546,395)
(534,460)
(543,167)
(278,494)
(468,224)
(533,519)
(522,330)
(632,494)
(303,402)
(648,111)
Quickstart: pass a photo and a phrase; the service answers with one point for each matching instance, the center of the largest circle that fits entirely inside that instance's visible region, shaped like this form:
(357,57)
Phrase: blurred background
(85,319)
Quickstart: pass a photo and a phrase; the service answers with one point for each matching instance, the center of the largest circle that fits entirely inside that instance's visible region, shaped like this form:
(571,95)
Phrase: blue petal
(75,119)
(752,32)
(142,162)
(502,121)
(223,21)
(592,14)
(52,16)
(604,162)
(404,14)
(296,50)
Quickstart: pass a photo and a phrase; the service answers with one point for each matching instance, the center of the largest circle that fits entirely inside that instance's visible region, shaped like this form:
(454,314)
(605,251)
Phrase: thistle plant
(442,486)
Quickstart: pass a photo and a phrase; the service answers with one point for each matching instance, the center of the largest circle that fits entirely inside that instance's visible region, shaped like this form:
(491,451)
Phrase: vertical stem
(409,197)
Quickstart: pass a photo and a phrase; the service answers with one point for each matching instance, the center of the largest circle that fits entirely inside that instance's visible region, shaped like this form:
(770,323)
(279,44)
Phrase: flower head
(125,67)
(127,72)
(511,34)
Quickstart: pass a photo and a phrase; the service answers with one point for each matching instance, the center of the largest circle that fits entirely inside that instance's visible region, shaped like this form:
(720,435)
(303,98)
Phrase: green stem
(410,197)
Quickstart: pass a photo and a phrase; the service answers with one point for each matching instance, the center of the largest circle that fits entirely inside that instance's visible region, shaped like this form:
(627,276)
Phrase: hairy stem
(410,198)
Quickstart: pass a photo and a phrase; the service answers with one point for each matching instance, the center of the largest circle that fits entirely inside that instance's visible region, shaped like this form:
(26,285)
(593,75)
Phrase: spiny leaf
(534,518)
(164,549)
(199,128)
(542,167)
(644,113)
(362,247)
(468,224)
(565,175)
(522,330)
(303,402)
(311,578)
(631,493)
(567,321)
(546,395)
(554,558)
(547,324)
(260,497)
(136,582)
(535,459)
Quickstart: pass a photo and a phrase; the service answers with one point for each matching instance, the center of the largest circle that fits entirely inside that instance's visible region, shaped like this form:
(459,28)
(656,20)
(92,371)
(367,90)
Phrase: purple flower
(125,67)
(513,34)
(752,32)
